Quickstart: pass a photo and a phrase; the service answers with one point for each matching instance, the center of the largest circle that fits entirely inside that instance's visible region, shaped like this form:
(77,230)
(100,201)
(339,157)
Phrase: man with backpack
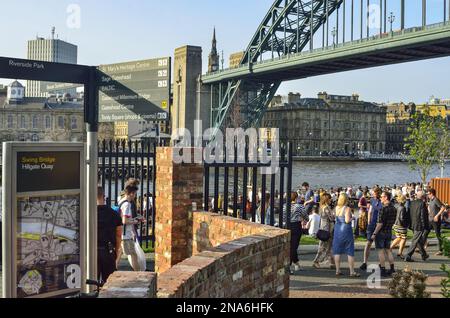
(130,220)
(109,238)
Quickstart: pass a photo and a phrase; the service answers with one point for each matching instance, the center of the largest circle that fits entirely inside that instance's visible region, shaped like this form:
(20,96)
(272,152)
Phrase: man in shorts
(383,234)
(129,231)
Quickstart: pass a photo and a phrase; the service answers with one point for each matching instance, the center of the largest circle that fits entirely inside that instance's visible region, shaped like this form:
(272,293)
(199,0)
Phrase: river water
(336,174)
(333,174)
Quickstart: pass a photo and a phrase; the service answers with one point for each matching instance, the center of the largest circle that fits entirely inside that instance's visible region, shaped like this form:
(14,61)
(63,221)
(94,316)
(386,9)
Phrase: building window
(61,122)
(10,121)
(35,122)
(73,123)
(35,138)
(22,137)
(22,122)
(48,122)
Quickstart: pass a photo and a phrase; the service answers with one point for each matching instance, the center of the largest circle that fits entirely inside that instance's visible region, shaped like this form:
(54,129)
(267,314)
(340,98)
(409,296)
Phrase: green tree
(424,142)
(444,149)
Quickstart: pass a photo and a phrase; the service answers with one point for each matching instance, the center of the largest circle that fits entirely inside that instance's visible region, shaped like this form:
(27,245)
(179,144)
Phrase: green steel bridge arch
(285,47)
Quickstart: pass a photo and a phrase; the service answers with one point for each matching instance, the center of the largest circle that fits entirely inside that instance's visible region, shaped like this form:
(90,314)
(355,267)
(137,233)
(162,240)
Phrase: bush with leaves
(409,284)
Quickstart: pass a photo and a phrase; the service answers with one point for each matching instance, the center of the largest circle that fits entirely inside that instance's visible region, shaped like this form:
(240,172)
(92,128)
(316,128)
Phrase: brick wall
(204,255)
(177,186)
(231,258)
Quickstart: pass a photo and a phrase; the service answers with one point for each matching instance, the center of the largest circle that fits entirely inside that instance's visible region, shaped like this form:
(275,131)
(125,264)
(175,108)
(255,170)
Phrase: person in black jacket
(109,238)
(401,226)
(419,224)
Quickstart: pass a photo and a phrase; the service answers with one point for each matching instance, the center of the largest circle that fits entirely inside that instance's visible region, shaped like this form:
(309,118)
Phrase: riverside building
(40,119)
(328,123)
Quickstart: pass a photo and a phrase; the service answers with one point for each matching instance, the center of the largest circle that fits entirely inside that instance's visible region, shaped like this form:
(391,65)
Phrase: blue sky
(118,30)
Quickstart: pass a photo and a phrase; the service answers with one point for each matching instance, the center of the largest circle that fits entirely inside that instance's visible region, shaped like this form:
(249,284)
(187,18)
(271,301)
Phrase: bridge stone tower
(189,96)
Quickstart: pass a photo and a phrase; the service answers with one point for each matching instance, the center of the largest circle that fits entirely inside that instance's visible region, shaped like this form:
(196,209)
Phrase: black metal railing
(247,175)
(123,159)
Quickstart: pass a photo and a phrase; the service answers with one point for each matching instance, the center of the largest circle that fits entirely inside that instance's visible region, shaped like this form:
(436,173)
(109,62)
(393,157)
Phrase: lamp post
(333,33)
(310,143)
(391,19)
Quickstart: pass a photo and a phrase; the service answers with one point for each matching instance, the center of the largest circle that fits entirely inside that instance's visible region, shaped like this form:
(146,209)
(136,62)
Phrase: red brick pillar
(177,186)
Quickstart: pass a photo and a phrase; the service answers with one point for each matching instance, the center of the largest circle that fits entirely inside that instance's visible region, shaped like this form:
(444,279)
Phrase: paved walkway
(313,283)
(322,283)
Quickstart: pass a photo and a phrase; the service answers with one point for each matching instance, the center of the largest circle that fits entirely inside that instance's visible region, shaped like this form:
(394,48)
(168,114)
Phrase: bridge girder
(286,29)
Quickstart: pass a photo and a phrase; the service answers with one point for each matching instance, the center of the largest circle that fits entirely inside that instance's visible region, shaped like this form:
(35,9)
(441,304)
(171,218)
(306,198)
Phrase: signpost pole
(91,118)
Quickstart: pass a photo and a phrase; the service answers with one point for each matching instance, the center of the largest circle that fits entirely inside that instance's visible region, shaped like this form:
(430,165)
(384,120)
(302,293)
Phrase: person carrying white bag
(130,242)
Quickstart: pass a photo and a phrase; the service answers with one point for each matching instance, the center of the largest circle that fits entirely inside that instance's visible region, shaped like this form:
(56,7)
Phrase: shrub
(409,284)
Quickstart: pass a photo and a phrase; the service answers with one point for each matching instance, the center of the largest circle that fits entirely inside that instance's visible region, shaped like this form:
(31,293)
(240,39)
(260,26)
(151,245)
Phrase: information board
(43,209)
(135,91)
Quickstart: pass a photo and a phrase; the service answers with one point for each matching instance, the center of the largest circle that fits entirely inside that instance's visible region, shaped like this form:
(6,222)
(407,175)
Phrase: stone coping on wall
(130,285)
(231,258)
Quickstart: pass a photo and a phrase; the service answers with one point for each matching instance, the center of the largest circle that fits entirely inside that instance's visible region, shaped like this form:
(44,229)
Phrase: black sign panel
(43,71)
(135,91)
(48,171)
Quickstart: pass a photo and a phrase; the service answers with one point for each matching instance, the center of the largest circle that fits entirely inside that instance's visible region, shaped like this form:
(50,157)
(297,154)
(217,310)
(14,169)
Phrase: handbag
(323,235)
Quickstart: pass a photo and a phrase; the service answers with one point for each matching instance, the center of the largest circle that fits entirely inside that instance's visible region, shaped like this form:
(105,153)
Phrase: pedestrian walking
(363,215)
(109,238)
(435,212)
(401,226)
(419,225)
(298,215)
(374,209)
(324,257)
(383,234)
(130,235)
(343,241)
(309,197)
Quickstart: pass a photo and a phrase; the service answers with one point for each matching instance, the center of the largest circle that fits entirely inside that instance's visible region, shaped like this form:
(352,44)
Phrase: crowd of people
(382,215)
(337,216)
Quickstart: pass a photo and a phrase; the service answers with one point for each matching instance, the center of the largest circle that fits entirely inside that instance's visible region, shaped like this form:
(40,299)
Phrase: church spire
(214,58)
(214,41)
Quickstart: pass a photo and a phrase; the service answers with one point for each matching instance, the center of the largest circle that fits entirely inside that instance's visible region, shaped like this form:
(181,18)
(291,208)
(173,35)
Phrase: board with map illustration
(48,244)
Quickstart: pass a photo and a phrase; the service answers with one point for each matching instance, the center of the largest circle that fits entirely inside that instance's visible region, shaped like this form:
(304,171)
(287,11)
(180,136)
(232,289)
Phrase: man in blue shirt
(374,209)
(309,197)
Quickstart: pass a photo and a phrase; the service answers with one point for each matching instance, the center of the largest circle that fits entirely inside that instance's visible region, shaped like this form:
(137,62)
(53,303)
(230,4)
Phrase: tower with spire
(214,58)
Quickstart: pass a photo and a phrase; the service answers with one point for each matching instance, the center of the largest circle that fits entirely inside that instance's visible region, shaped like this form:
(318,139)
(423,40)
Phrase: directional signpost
(132,91)
(135,91)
